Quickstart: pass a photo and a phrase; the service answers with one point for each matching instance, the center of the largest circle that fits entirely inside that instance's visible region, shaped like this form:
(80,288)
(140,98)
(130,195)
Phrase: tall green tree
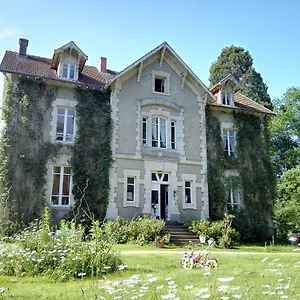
(238,62)
(285,131)
(287,205)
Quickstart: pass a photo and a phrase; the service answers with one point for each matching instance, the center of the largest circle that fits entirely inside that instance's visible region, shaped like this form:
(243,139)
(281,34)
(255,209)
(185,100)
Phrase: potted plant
(159,241)
(203,231)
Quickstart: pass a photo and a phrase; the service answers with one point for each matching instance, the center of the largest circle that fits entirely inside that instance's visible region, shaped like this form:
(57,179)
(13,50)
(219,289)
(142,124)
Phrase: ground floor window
(233,199)
(61,186)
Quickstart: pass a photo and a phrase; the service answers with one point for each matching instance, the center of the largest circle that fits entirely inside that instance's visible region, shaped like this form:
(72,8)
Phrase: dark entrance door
(163,201)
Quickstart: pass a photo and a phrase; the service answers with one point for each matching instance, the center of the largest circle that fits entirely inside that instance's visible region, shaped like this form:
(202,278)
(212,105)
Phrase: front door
(160,195)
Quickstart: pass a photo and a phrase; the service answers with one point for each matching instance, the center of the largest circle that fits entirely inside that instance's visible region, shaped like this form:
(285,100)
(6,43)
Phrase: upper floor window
(69,71)
(161,82)
(162,133)
(159,132)
(227,98)
(233,199)
(65,124)
(61,186)
(229,139)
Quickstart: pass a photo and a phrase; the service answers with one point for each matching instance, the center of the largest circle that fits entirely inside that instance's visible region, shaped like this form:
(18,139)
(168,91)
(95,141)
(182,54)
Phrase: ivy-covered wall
(256,178)
(24,150)
(92,156)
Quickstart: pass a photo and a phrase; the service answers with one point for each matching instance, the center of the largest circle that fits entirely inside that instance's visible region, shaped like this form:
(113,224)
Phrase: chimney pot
(23,43)
(103,62)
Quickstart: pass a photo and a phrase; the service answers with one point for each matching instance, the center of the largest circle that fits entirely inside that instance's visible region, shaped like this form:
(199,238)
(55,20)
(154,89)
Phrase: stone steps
(180,234)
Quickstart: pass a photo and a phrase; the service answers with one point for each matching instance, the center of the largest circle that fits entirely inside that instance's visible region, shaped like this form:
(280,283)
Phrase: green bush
(139,230)
(220,231)
(62,253)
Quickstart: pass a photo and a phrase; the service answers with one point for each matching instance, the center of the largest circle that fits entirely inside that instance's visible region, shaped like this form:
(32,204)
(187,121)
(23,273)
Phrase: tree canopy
(239,63)
(285,132)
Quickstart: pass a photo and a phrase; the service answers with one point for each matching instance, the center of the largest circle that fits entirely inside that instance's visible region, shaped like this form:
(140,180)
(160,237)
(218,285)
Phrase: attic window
(227,98)
(69,71)
(160,83)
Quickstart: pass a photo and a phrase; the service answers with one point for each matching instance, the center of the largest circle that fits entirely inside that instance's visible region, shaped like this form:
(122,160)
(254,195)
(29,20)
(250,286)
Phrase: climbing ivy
(256,174)
(216,164)
(256,178)
(24,151)
(92,157)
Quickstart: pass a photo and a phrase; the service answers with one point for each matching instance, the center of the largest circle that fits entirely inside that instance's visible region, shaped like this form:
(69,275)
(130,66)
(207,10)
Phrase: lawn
(159,276)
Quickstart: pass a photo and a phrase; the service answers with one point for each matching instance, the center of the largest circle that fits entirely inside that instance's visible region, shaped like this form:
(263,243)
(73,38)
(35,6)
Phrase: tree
(285,132)
(239,63)
(287,204)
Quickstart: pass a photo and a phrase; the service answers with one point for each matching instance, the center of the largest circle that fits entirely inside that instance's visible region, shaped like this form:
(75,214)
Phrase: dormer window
(69,71)
(227,98)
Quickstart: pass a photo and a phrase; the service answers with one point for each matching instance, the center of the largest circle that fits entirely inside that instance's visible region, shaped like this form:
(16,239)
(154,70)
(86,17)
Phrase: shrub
(63,254)
(139,230)
(220,231)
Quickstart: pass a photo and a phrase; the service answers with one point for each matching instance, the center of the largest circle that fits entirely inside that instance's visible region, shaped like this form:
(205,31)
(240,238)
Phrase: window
(159,132)
(144,131)
(233,200)
(69,71)
(173,134)
(229,138)
(61,187)
(65,124)
(226,98)
(188,192)
(130,189)
(160,84)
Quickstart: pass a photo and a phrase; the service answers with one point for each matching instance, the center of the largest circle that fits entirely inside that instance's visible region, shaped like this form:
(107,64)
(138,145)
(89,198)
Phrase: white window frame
(66,109)
(192,179)
(232,192)
(61,180)
(159,131)
(164,76)
(68,66)
(148,120)
(127,173)
(230,153)
(228,98)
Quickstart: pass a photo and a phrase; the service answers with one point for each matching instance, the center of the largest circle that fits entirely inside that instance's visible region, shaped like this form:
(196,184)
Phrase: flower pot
(160,243)
(202,239)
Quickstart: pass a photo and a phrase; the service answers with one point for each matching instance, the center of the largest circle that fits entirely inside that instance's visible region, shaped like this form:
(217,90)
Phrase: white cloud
(8,32)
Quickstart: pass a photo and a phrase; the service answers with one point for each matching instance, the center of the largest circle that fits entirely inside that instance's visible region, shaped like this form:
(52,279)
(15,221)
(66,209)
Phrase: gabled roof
(224,81)
(244,103)
(151,53)
(40,67)
(72,46)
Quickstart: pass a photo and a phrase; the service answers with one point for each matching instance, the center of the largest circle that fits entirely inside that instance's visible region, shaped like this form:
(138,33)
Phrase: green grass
(248,271)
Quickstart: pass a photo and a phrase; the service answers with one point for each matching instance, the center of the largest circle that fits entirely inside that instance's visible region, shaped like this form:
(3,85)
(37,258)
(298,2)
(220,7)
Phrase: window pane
(65,71)
(166,177)
(163,133)
(130,192)
(66,185)
(188,195)
(154,132)
(56,170)
(55,186)
(60,111)
(71,112)
(65,201)
(54,200)
(173,143)
(144,131)
(235,199)
(70,129)
(158,85)
(187,184)
(72,72)
(130,180)
(67,170)
(154,178)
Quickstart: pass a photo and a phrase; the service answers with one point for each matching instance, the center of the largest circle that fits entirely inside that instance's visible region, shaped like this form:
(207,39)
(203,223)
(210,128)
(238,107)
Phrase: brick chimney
(101,66)
(23,43)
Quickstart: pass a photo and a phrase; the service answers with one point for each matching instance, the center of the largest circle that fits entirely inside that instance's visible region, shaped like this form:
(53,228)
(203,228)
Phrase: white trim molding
(192,179)
(135,174)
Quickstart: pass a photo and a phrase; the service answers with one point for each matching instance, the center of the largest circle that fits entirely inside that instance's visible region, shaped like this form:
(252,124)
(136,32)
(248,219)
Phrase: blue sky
(197,30)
